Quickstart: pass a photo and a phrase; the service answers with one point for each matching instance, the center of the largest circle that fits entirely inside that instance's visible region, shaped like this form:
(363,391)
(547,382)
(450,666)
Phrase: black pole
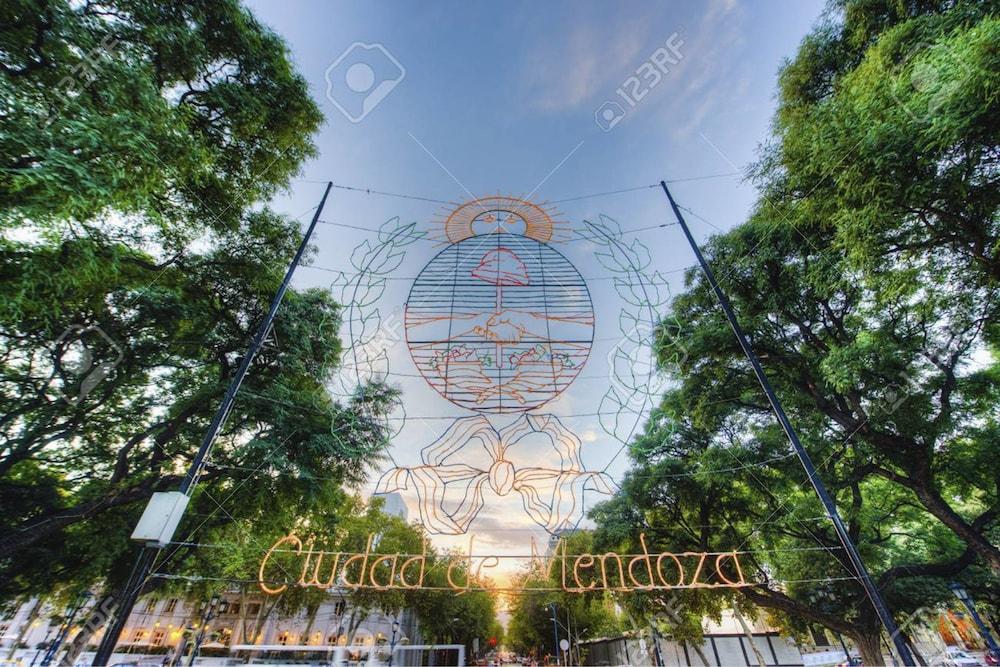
(53,648)
(555,630)
(831,509)
(144,561)
(847,654)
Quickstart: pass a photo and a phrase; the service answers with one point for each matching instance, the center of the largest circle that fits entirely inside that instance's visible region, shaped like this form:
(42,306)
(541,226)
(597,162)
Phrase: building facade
(162,630)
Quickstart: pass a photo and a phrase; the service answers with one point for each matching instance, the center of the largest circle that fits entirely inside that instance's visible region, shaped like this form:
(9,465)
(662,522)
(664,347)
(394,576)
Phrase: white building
(157,627)
(161,629)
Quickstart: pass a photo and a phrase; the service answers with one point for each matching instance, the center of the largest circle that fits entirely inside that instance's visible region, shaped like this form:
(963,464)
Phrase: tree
(179,114)
(139,138)
(888,113)
(131,129)
(535,599)
(447,616)
(885,151)
(866,281)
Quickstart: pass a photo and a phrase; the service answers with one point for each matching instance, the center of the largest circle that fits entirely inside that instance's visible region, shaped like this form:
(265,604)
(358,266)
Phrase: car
(956,657)
(993,657)
(853,661)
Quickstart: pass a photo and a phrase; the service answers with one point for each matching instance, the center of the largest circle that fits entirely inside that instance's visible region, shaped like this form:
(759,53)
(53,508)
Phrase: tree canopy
(139,139)
(865,280)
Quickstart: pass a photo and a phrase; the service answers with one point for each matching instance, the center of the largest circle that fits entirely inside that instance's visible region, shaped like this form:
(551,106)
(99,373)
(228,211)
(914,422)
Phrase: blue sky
(501,98)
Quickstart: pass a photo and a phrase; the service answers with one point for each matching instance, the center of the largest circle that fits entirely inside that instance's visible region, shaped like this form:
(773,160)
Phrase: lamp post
(215,607)
(555,630)
(67,625)
(392,643)
(963,595)
(43,645)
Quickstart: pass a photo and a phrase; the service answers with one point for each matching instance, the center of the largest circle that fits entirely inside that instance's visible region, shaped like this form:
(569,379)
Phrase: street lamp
(215,607)
(555,630)
(71,612)
(392,644)
(963,595)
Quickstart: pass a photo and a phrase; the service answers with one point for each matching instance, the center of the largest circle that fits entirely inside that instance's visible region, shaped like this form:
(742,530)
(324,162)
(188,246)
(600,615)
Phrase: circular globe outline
(555,391)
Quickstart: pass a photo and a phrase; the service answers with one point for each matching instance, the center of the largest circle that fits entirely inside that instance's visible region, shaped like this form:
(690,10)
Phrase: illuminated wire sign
(290,562)
(499,323)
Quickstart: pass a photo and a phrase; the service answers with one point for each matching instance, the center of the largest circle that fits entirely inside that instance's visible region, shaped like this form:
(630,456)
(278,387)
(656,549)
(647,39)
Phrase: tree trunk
(920,480)
(310,621)
(97,618)
(870,645)
(749,635)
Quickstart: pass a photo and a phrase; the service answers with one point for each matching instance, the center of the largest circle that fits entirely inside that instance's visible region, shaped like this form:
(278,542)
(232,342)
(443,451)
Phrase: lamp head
(960,592)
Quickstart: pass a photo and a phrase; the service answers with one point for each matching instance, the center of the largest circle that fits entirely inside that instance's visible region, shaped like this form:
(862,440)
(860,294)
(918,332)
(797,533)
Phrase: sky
(549,102)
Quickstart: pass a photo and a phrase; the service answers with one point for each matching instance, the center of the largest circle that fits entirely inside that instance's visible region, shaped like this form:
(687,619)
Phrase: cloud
(704,83)
(595,54)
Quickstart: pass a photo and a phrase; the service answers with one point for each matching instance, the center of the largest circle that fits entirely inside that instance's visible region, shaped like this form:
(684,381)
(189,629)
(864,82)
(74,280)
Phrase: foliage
(182,114)
(531,608)
(887,120)
(866,281)
(138,139)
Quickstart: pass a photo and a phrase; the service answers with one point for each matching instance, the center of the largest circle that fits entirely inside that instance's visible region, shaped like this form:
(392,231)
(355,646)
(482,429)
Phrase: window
(253,608)
(819,637)
(157,638)
(140,635)
(339,608)
(234,608)
(3,630)
(170,606)
(283,638)
(150,605)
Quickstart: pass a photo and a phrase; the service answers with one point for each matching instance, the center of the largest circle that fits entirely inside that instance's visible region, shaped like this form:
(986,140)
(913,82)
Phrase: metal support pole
(831,509)
(555,630)
(146,555)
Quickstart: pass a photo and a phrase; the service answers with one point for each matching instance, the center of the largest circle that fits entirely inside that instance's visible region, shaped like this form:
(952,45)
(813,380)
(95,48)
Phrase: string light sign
(499,323)
(290,562)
